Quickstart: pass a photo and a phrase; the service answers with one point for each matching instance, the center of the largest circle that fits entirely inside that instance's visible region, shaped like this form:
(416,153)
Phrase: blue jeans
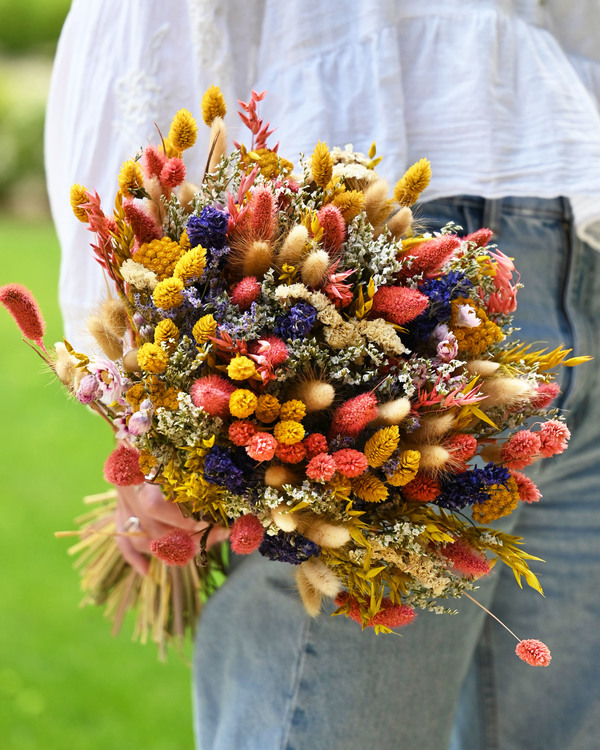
(267,677)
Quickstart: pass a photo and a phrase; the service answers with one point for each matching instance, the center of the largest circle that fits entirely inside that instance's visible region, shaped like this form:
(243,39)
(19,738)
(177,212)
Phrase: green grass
(64,681)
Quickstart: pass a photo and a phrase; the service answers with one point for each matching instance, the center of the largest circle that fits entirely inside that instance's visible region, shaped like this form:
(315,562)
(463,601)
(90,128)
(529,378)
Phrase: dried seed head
(314,268)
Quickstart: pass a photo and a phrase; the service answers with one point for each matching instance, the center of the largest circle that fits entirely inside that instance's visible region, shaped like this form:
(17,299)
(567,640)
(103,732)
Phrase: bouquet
(286,355)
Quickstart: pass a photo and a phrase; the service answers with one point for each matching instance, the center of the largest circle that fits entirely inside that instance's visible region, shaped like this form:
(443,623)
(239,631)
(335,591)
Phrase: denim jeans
(267,677)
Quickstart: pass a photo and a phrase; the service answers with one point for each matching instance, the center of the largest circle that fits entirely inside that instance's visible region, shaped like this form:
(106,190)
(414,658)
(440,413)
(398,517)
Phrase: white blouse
(502,96)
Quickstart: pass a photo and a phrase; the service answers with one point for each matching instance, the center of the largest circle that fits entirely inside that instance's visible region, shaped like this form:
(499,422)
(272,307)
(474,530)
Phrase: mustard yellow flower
(151,358)
(502,502)
(350,203)
(160,256)
(408,465)
(168,293)
(369,488)
(412,184)
(183,131)
(78,195)
(288,432)
(205,327)
(321,165)
(135,395)
(242,403)
(146,461)
(191,266)
(380,446)
(241,368)
(160,394)
(184,241)
(473,341)
(131,178)
(166,332)
(267,408)
(213,105)
(294,410)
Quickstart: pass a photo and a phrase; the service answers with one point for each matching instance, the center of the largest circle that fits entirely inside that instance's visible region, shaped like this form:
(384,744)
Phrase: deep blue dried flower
(441,292)
(291,548)
(209,229)
(297,322)
(220,469)
(472,486)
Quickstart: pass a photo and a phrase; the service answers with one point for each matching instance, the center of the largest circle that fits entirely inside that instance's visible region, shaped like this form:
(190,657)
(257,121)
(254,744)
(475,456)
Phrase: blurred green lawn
(64,681)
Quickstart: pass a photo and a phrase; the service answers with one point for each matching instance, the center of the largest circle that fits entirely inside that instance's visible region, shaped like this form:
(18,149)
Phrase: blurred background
(65,682)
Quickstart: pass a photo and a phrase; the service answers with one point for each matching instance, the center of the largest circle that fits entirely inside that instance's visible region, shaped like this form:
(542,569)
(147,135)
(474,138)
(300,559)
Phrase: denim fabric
(267,677)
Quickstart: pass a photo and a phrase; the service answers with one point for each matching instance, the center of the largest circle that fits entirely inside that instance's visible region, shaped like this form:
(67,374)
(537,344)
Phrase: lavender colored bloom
(220,469)
(88,389)
(209,229)
(291,548)
(139,422)
(297,322)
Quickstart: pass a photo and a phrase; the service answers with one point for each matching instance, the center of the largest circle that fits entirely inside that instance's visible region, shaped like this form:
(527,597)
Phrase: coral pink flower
(212,393)
(122,468)
(351,418)
(246,535)
(274,352)
(534,652)
(241,432)
(422,489)
(528,492)
(481,237)
(332,223)
(152,161)
(336,289)
(461,446)
(315,444)
(21,304)
(521,449)
(504,299)
(546,393)
(393,615)
(262,446)
(291,454)
(262,214)
(245,292)
(554,436)
(430,256)
(350,463)
(175,548)
(173,173)
(398,304)
(144,227)
(465,559)
(321,467)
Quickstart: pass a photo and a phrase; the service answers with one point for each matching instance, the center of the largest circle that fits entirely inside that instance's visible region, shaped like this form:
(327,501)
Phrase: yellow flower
(146,461)
(474,341)
(213,104)
(321,165)
(370,489)
(160,256)
(183,131)
(381,445)
(288,432)
(184,241)
(166,332)
(205,327)
(350,203)
(131,178)
(241,368)
(135,395)
(502,502)
(242,403)
(191,266)
(160,394)
(151,358)
(294,410)
(412,184)
(168,294)
(408,466)
(78,196)
(269,164)
(267,409)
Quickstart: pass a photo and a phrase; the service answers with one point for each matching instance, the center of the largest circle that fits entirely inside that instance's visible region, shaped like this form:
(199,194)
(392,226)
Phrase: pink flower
(262,214)
(152,161)
(241,432)
(21,304)
(392,615)
(321,468)
(245,292)
(291,454)
(462,446)
(262,446)
(546,393)
(332,223)
(430,256)
(315,443)
(246,535)
(528,492)
(351,418)
(111,383)
(481,237)
(350,463)
(465,559)
(521,449)
(175,548)
(398,304)
(272,348)
(534,652)
(212,393)
(144,227)
(466,317)
(336,289)
(173,173)
(553,436)
(504,300)
(88,389)
(122,468)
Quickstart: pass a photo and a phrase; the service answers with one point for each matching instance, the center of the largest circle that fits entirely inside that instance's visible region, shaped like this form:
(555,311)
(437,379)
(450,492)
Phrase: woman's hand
(157,517)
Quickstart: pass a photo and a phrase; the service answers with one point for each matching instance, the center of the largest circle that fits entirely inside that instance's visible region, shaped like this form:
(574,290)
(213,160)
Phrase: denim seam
(489,703)
(295,685)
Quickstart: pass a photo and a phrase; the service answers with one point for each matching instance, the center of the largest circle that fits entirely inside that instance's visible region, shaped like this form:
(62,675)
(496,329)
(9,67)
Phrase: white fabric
(501,95)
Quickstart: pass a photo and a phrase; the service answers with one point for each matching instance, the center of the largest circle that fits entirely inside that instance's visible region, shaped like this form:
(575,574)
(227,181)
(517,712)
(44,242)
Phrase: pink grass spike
(175,548)
(22,305)
(398,304)
(354,415)
(534,652)
(245,292)
(333,226)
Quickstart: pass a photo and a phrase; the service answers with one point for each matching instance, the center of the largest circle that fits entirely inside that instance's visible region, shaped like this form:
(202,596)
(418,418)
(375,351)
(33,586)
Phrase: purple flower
(220,469)
(209,229)
(298,321)
(291,548)
(469,487)
(111,383)
(88,389)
